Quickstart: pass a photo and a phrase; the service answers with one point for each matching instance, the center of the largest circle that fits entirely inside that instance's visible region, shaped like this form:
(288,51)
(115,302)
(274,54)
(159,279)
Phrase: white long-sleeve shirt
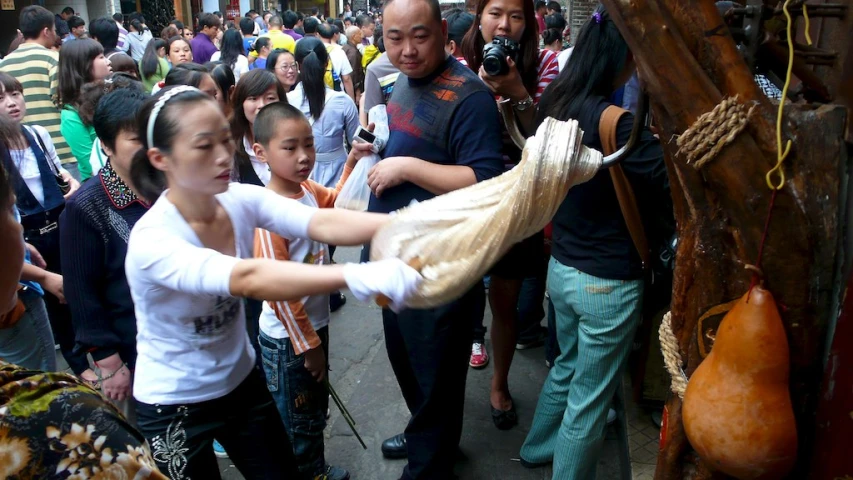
(192,342)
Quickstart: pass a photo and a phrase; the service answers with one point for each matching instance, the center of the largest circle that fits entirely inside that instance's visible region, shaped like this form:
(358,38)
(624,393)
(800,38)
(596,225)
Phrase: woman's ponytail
(149,181)
(312,57)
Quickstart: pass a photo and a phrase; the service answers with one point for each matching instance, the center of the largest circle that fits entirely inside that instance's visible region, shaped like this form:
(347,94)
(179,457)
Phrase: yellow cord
(806,17)
(780,153)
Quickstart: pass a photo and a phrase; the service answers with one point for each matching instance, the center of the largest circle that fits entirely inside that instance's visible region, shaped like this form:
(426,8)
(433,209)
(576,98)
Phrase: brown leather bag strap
(607,126)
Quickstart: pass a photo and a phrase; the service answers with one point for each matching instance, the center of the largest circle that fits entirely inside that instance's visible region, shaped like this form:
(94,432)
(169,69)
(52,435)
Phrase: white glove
(390,277)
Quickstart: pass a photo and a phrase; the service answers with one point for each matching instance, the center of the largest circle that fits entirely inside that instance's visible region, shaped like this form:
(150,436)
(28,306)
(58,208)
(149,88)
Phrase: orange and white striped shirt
(299,319)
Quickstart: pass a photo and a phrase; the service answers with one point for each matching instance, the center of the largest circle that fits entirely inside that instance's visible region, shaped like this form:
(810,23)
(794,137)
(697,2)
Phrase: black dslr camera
(495,53)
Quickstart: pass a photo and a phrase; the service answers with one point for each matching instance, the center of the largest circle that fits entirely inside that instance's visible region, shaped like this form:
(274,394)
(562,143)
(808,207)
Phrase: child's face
(12,105)
(253,105)
(290,153)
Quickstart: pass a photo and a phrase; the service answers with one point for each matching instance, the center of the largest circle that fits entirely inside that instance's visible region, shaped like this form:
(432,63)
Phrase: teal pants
(596,321)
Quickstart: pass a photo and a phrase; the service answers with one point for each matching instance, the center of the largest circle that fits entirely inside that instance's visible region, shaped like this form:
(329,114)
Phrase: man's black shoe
(395,447)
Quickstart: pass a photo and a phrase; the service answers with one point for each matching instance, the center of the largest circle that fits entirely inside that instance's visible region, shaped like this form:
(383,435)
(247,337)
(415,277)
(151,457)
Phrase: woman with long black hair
(595,276)
(231,53)
(153,67)
(258,89)
(333,115)
(138,37)
(518,280)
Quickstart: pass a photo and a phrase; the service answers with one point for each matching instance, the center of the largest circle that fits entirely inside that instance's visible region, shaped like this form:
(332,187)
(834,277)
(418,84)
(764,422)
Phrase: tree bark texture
(688,62)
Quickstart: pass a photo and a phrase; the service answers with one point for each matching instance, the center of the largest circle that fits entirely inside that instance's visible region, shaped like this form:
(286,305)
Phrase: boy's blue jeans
(300,399)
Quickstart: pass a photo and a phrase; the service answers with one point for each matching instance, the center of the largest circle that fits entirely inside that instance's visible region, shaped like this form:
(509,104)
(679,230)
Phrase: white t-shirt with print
(192,342)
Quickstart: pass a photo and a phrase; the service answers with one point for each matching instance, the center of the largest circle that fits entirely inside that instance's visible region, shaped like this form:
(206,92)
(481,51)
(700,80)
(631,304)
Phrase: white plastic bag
(356,194)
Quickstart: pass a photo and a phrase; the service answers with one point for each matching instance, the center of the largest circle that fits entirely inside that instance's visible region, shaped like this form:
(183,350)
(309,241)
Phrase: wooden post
(689,63)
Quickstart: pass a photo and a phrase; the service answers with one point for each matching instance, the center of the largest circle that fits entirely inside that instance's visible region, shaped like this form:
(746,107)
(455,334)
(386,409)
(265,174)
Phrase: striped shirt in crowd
(549,68)
(122,44)
(36,68)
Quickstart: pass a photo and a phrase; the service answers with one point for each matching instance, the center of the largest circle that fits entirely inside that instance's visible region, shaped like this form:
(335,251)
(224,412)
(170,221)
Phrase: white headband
(159,106)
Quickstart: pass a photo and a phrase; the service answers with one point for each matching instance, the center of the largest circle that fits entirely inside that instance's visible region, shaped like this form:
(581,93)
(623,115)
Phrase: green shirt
(80,137)
(36,67)
(159,74)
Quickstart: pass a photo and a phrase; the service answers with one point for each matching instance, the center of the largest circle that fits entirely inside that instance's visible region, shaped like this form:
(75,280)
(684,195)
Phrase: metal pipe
(641,120)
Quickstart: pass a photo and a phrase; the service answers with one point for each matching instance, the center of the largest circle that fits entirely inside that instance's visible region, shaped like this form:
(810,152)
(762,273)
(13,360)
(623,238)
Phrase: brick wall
(579,12)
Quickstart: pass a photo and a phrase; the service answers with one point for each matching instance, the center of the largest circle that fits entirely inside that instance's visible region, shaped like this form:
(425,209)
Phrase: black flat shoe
(395,447)
(504,419)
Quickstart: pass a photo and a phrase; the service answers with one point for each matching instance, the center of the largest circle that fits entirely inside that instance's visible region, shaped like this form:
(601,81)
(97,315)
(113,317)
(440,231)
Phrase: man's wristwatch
(523,105)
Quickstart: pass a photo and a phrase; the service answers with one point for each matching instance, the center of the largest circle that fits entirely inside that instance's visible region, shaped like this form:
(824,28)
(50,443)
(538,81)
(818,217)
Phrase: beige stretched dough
(457,237)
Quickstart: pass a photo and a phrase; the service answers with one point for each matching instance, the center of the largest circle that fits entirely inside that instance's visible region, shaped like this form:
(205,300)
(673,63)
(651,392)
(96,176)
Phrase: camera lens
(493,64)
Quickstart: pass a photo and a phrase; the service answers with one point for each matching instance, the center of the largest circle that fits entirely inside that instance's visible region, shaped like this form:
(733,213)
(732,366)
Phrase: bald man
(354,37)
(445,135)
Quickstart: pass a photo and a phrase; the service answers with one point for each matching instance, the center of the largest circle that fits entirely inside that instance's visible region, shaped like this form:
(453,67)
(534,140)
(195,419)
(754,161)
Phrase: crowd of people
(172,199)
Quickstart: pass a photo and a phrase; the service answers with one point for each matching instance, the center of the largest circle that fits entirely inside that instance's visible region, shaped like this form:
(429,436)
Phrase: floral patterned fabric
(52,426)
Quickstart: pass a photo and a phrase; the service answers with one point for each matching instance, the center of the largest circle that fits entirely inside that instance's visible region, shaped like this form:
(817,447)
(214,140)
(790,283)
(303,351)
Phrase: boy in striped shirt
(34,64)
(294,335)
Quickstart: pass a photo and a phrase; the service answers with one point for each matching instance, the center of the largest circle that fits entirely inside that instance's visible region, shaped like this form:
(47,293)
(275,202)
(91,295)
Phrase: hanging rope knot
(672,356)
(714,130)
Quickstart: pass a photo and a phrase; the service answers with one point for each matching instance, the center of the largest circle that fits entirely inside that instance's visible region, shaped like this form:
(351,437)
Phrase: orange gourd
(737,407)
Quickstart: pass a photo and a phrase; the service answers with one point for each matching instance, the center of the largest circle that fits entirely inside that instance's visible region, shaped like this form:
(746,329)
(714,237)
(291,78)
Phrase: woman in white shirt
(231,54)
(189,260)
(333,115)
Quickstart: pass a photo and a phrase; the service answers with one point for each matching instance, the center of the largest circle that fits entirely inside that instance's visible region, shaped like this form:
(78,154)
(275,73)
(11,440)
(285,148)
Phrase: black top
(589,231)
(94,230)
(61,26)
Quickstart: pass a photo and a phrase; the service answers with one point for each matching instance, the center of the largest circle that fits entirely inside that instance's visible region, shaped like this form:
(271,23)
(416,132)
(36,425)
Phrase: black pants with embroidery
(246,423)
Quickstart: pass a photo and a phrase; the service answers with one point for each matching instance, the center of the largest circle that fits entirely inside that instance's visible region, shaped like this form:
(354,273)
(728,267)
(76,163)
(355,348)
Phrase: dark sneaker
(532,341)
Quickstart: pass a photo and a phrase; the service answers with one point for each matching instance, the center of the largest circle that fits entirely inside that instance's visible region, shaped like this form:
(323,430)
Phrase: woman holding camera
(503,47)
